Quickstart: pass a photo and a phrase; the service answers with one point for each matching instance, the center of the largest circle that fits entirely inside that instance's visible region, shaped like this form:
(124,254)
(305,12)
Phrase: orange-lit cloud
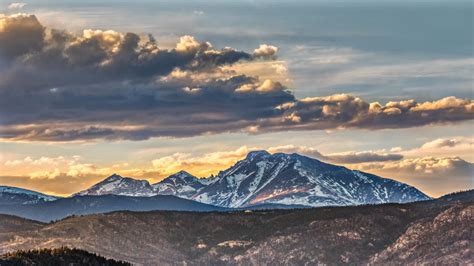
(203,165)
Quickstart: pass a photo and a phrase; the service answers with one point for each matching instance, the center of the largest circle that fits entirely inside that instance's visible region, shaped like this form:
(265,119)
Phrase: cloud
(45,167)
(264,87)
(108,85)
(426,165)
(203,165)
(265,51)
(440,143)
(111,54)
(435,175)
(444,147)
(16,5)
(347,111)
(20,34)
(61,185)
(61,175)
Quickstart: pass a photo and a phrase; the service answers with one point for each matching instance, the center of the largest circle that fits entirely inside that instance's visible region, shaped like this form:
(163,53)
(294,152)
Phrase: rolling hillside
(437,231)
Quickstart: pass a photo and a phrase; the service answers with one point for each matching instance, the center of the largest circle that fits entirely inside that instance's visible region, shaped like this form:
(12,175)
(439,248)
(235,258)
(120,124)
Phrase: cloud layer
(60,86)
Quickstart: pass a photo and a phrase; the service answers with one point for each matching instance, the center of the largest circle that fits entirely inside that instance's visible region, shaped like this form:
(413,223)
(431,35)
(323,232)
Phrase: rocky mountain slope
(264,178)
(431,232)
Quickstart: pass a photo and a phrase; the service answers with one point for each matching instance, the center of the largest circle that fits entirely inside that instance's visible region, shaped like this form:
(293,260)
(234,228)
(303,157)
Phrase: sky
(148,88)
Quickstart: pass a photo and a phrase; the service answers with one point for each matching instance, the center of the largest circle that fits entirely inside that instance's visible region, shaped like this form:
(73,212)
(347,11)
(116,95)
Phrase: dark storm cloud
(58,86)
(52,57)
(19,35)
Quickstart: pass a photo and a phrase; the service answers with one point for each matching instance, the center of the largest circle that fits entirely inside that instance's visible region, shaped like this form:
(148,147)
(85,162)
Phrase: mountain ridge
(262,178)
(296,179)
(286,179)
(14,195)
(93,204)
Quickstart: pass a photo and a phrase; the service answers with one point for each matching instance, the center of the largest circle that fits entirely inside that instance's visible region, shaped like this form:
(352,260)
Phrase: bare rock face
(435,232)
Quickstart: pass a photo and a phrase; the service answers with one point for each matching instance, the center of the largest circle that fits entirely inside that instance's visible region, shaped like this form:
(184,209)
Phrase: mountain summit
(293,179)
(182,183)
(264,178)
(117,185)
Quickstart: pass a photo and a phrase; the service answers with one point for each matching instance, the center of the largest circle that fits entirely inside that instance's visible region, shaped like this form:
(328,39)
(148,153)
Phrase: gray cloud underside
(58,86)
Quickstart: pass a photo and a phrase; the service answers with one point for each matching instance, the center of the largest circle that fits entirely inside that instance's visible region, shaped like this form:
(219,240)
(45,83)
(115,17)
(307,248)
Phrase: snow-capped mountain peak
(182,183)
(257,155)
(181,176)
(114,177)
(118,185)
(293,179)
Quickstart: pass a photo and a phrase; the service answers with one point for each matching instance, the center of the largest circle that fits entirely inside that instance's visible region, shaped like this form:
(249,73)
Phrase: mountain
(433,232)
(118,185)
(82,205)
(182,183)
(264,178)
(14,195)
(271,179)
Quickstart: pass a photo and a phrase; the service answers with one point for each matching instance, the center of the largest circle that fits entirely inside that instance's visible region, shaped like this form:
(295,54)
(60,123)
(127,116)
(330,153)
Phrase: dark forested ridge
(58,257)
(435,232)
(83,205)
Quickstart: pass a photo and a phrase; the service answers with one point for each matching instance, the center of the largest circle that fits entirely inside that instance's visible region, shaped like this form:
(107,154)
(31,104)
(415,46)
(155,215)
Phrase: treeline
(58,256)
